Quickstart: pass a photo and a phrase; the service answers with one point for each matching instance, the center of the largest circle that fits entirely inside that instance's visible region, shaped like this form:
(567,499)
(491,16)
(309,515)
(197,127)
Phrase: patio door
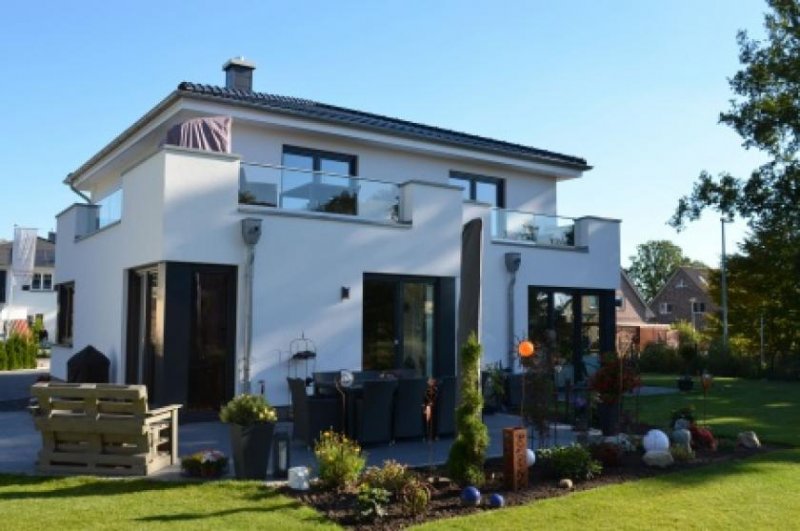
(399,326)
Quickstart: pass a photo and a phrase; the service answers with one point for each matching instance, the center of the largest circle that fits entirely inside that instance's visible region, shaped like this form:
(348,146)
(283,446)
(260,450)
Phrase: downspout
(251,233)
(512,266)
(83,196)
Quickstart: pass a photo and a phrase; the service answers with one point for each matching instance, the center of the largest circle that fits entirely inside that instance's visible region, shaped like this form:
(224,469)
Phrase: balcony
(302,190)
(529,228)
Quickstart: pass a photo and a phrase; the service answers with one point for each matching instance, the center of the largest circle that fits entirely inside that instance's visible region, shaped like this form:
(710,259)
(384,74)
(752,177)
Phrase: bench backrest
(91,400)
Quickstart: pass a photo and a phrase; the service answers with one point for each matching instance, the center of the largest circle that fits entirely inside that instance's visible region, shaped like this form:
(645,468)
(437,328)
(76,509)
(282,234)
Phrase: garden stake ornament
(705,380)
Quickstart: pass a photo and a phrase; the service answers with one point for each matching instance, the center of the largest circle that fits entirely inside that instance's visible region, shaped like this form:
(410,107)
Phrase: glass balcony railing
(110,209)
(527,227)
(314,191)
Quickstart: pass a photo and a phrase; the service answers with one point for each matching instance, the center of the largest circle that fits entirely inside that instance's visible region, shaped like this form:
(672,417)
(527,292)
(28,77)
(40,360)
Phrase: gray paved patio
(20,442)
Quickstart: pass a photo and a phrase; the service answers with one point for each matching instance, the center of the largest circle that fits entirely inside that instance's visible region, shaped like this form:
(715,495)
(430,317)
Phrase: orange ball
(525,349)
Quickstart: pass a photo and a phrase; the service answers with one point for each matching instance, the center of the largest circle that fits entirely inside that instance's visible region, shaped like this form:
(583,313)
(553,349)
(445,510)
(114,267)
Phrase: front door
(400,318)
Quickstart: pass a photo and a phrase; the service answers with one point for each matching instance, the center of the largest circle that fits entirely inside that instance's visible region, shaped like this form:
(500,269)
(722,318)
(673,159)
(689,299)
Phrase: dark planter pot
(250,449)
(608,417)
(685,384)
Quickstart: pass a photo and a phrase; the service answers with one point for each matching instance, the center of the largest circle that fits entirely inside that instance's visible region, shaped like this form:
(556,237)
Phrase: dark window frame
(473,179)
(318,154)
(66,313)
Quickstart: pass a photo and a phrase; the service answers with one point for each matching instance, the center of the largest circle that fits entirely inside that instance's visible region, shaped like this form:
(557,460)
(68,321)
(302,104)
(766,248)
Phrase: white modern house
(226,223)
(33,301)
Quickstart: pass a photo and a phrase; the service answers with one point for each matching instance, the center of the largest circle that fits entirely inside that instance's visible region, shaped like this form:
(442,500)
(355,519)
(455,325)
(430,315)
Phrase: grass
(91,503)
(771,409)
(754,494)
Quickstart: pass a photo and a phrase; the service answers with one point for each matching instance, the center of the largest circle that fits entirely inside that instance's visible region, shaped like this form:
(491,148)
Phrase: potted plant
(685,382)
(252,422)
(612,380)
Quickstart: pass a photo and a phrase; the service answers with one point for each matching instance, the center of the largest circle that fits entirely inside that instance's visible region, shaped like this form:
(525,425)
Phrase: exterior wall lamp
(345,292)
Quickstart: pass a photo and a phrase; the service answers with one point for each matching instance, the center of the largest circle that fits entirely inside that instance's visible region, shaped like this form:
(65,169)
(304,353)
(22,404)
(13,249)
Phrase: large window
(318,181)
(480,188)
(582,321)
(66,312)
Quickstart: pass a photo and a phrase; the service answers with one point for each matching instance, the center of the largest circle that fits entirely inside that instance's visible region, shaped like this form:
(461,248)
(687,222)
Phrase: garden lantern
(655,441)
(525,349)
(281,455)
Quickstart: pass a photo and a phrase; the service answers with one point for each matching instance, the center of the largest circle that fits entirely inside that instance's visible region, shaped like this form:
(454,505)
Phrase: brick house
(685,297)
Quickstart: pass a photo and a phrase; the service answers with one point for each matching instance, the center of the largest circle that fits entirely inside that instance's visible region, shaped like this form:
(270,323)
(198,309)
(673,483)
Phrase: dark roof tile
(341,115)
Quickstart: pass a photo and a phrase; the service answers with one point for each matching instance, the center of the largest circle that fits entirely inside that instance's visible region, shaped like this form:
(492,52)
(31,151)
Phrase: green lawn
(771,409)
(755,494)
(90,503)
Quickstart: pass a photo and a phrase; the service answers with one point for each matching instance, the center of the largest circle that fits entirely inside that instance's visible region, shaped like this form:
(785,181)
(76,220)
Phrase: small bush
(372,502)
(608,454)
(415,497)
(468,452)
(702,438)
(681,454)
(573,462)
(392,476)
(246,410)
(3,357)
(339,459)
(206,464)
(660,358)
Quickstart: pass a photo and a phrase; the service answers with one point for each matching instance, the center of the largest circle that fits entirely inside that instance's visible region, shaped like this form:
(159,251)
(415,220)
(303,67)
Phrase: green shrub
(245,410)
(660,358)
(3,356)
(372,502)
(681,454)
(392,476)
(339,460)
(415,497)
(574,462)
(733,361)
(468,452)
(15,348)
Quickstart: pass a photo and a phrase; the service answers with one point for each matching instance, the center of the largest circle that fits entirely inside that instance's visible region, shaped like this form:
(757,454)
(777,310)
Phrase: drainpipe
(512,266)
(83,196)
(251,233)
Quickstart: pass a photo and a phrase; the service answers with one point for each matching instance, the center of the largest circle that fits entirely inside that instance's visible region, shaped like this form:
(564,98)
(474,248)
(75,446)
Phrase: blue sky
(635,87)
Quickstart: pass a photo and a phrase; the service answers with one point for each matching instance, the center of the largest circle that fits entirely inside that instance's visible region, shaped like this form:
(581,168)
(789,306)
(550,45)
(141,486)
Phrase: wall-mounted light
(345,292)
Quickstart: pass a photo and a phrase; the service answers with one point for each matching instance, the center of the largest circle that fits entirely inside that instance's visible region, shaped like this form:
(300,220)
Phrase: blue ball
(470,496)
(496,500)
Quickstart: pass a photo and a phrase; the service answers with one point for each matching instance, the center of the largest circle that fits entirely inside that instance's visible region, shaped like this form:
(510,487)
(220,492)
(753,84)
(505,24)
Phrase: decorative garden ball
(496,501)
(655,441)
(531,457)
(470,496)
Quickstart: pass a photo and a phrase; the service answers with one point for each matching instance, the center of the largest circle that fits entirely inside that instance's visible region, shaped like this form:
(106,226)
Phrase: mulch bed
(445,501)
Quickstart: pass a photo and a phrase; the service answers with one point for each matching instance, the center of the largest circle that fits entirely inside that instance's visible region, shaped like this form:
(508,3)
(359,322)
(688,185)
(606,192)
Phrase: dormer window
(665,308)
(680,284)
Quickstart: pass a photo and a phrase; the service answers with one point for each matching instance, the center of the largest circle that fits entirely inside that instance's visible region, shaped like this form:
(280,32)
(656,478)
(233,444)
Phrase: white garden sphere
(531,457)
(655,441)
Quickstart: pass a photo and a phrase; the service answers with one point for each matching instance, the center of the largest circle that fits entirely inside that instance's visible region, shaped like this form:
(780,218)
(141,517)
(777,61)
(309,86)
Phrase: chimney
(239,74)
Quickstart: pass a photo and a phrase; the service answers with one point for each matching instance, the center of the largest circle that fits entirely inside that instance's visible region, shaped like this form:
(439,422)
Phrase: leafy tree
(468,452)
(766,114)
(653,263)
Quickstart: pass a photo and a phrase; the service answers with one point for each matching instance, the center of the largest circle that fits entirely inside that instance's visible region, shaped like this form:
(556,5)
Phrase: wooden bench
(104,429)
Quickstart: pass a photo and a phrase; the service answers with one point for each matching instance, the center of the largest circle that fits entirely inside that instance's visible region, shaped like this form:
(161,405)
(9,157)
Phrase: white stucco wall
(97,264)
(24,303)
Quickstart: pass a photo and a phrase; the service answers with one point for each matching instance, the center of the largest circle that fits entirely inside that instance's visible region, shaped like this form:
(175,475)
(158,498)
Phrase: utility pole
(724,286)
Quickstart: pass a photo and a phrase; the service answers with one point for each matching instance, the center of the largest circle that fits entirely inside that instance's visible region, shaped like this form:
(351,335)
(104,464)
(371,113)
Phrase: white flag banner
(23,255)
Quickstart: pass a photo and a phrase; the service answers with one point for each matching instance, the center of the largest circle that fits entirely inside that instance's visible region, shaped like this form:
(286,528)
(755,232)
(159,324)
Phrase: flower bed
(445,502)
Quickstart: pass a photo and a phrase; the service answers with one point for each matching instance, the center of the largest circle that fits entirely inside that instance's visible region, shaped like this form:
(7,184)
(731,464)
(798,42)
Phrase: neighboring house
(684,297)
(23,305)
(635,326)
(360,219)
